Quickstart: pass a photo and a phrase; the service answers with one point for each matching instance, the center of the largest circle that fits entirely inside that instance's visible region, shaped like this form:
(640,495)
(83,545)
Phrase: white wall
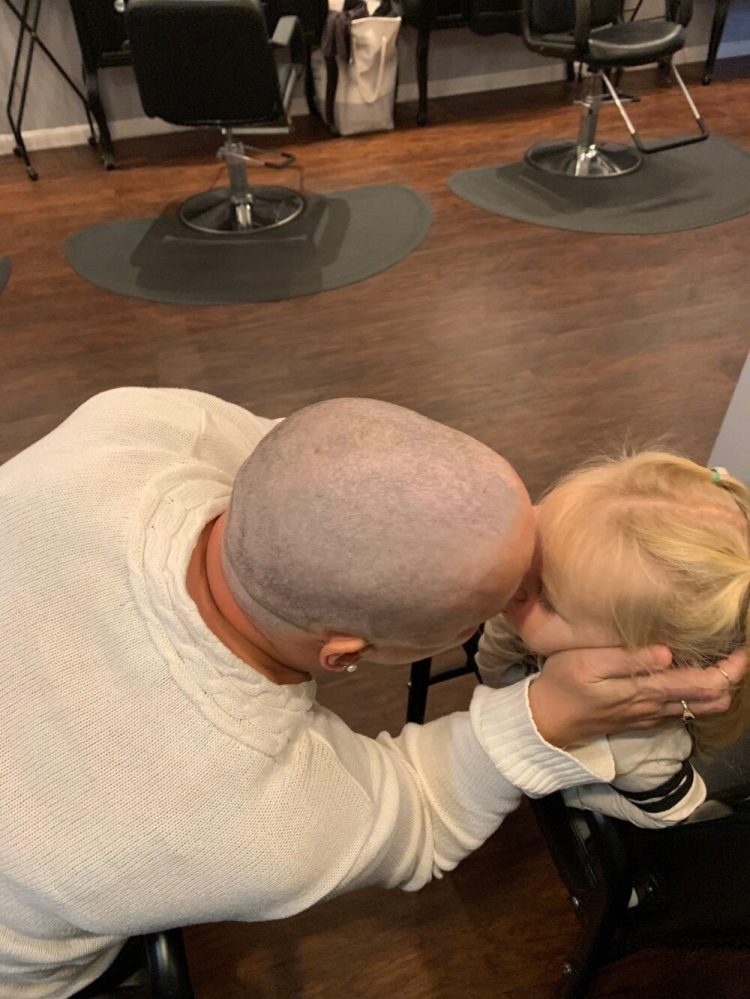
(460,62)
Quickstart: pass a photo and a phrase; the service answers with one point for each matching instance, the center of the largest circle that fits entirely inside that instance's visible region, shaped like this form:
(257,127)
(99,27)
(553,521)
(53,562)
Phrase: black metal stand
(717,30)
(421,679)
(167,961)
(28,38)
(100,27)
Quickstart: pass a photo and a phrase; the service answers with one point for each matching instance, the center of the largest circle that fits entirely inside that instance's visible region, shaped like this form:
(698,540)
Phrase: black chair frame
(167,964)
(633,888)
(606,865)
(161,955)
(422,678)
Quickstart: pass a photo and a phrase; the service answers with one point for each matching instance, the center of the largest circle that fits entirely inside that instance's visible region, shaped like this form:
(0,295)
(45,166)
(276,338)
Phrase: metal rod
(28,26)
(15,123)
(29,60)
(686,92)
(16,62)
(589,120)
(618,102)
(50,55)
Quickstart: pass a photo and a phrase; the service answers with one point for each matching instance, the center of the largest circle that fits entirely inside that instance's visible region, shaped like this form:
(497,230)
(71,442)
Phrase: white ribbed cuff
(506,731)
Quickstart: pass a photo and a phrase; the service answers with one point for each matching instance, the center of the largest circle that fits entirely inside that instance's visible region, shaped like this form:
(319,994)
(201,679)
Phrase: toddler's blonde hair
(653,544)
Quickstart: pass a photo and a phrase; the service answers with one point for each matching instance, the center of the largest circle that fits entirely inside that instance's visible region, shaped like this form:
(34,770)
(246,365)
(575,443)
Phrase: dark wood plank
(545,344)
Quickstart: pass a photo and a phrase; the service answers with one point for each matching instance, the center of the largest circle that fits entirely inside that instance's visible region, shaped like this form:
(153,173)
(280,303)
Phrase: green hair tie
(717,474)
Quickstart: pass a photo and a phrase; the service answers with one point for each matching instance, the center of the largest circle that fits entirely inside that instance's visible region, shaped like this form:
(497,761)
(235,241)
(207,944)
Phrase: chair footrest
(660,146)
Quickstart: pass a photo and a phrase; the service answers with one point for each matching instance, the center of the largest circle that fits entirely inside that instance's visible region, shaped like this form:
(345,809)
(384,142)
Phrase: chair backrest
(203,62)
(488,17)
(692,883)
(550,17)
(312,15)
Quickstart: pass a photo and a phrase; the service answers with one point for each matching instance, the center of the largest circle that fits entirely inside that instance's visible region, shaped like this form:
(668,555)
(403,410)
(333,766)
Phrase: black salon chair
(683,887)
(596,34)
(153,966)
(211,64)
(691,882)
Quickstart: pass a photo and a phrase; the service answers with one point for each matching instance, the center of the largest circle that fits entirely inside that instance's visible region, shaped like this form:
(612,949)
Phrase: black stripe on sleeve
(666,795)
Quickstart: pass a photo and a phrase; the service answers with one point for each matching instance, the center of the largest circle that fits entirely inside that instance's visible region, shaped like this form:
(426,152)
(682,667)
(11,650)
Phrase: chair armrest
(288,35)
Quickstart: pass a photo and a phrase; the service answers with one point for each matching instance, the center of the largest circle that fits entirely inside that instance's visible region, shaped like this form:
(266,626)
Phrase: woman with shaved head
(175,573)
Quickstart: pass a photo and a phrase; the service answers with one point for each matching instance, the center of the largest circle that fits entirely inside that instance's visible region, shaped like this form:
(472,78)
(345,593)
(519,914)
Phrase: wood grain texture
(546,344)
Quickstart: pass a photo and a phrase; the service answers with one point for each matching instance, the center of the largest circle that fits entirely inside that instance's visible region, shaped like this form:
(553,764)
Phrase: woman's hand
(584,693)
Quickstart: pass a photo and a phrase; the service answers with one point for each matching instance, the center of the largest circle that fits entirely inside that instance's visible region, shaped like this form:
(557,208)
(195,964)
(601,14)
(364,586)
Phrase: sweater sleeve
(438,791)
(504,660)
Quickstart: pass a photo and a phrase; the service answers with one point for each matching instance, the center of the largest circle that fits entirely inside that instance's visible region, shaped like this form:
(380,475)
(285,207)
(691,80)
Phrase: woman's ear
(340,651)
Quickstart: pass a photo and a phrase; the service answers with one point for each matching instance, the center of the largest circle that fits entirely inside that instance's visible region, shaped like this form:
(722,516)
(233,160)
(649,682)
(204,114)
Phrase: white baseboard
(74,135)
(77,135)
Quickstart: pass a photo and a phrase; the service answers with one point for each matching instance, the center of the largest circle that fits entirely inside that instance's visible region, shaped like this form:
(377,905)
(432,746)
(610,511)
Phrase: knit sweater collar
(236,698)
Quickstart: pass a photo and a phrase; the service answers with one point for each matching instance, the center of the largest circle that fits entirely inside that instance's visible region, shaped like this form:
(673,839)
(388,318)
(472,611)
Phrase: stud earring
(351,668)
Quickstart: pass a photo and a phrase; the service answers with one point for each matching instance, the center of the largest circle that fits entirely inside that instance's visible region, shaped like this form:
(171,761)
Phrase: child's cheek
(532,628)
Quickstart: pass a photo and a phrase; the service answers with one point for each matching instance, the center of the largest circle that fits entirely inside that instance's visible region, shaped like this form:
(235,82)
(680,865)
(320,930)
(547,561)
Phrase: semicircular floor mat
(684,188)
(341,237)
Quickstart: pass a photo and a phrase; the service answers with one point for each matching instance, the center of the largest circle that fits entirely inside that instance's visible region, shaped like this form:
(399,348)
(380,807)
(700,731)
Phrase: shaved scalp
(360,517)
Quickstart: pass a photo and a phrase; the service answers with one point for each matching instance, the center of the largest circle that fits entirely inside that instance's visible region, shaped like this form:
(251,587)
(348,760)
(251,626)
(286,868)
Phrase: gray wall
(459,62)
(732,448)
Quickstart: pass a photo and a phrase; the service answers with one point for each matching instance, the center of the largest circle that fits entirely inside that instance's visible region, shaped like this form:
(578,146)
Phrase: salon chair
(159,958)
(598,35)
(211,64)
(632,888)
(683,887)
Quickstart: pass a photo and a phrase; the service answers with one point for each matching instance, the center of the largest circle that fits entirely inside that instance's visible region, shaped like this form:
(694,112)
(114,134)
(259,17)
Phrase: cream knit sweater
(150,778)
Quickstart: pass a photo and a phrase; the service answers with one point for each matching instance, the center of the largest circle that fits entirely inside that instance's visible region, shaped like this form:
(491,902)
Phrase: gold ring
(687,714)
(726,675)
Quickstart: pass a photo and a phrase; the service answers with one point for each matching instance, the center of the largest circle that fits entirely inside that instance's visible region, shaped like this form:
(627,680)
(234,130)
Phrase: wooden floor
(546,344)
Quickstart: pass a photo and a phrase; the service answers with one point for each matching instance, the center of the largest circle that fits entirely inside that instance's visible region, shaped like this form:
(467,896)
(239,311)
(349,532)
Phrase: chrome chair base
(260,208)
(568,158)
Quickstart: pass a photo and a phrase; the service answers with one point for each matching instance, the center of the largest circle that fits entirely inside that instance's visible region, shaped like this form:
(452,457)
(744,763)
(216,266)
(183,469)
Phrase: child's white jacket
(655,784)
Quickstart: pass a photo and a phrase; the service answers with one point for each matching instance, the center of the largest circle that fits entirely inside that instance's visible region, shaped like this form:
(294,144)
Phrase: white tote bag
(366,86)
